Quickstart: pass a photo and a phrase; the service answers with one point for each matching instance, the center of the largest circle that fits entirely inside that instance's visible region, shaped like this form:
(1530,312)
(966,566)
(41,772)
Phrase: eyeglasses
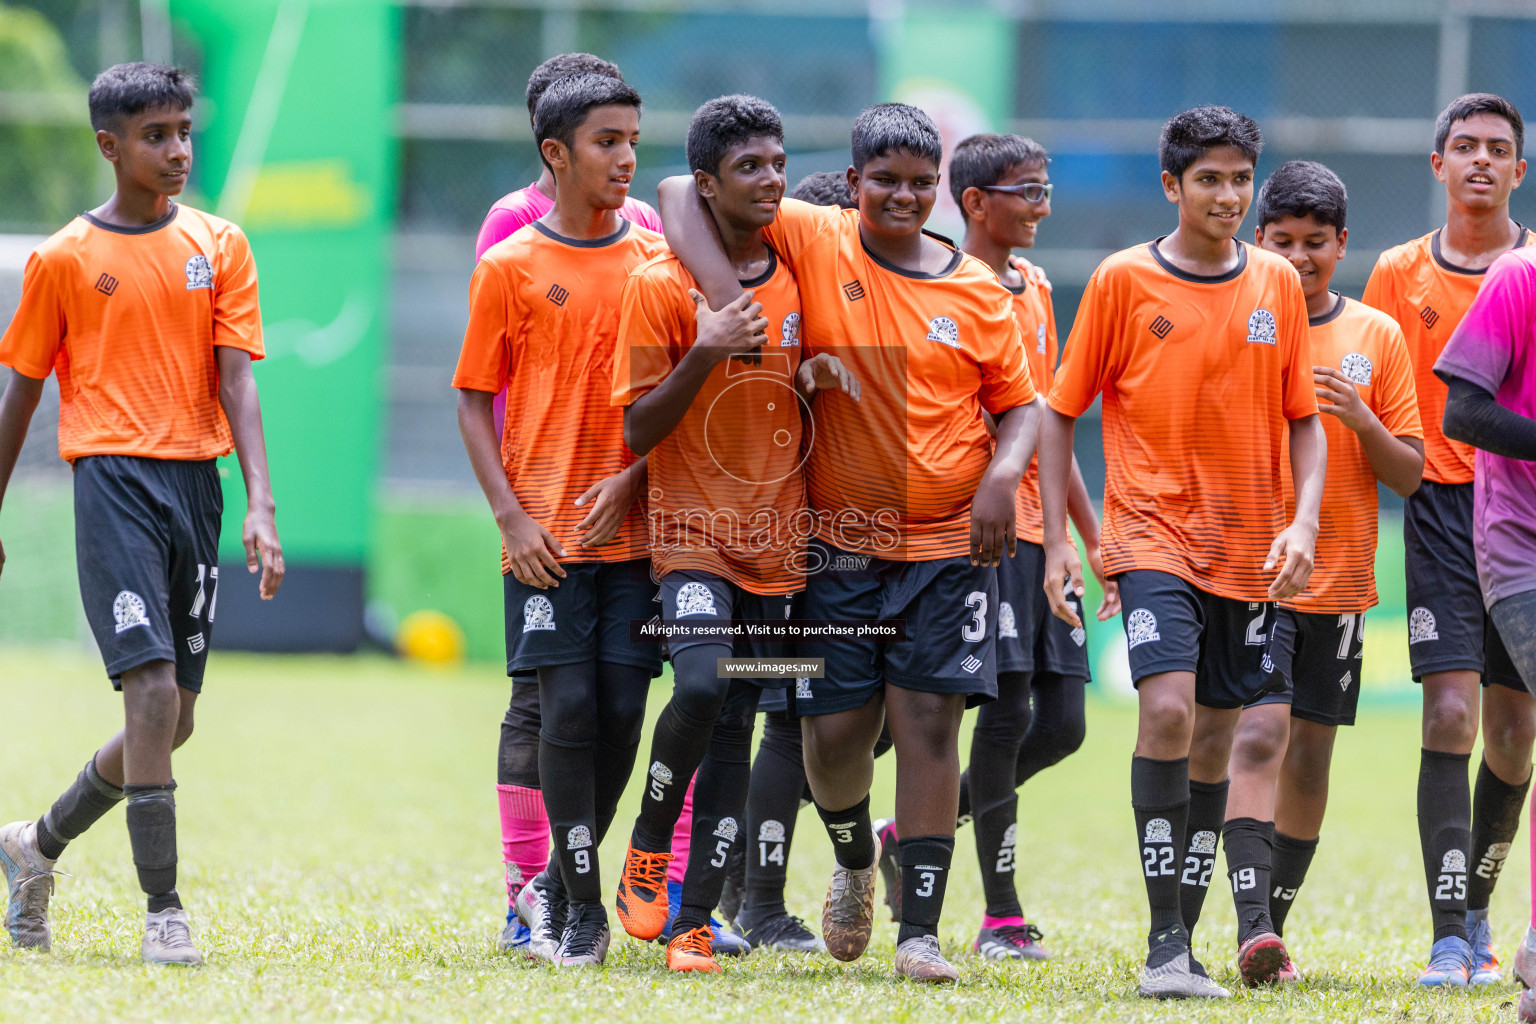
(1033,191)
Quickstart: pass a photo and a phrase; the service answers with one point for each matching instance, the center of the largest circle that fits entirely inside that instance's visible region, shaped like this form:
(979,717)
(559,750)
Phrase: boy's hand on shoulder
(263,551)
(1063,566)
(611,498)
(532,551)
(1292,552)
(1337,397)
(827,373)
(736,328)
(993,518)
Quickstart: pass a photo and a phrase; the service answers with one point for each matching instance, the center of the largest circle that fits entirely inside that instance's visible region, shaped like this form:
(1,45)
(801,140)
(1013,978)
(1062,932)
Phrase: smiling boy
(1198,344)
(147,311)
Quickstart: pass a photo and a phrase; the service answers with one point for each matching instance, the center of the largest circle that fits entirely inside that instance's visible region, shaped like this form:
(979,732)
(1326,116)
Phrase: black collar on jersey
(918,275)
(1521,241)
(765,276)
(1184,275)
(1023,279)
(142,229)
(1330,316)
(586,243)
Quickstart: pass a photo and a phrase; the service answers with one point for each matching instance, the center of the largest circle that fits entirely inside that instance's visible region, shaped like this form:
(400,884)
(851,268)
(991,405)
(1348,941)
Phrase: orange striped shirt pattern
(1037,328)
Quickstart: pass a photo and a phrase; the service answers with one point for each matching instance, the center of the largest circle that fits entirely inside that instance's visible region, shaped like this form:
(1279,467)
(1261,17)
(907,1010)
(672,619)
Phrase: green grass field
(340,861)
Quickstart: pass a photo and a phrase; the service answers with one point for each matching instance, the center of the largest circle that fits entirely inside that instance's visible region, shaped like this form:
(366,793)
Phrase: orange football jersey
(129,318)
(1427,295)
(1037,327)
(543,323)
(725,488)
(1366,346)
(894,474)
(1199,377)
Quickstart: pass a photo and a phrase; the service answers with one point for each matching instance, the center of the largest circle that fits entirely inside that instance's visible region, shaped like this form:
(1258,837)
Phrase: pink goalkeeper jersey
(517,210)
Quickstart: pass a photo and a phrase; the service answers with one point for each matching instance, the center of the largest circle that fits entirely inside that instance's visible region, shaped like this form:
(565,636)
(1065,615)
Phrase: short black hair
(1474,103)
(124,90)
(888,127)
(825,188)
(565,104)
(1189,136)
(1303,188)
(987,158)
(565,65)
(728,121)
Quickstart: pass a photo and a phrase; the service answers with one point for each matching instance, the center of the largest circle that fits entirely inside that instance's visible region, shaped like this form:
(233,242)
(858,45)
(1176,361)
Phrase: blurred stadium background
(360,143)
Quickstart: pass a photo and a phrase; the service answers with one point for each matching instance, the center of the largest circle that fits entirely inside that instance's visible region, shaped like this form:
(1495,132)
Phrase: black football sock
(996,844)
(568,775)
(151,814)
(1207,814)
(621,693)
(77,809)
(1250,853)
(615,765)
(1292,858)
(1445,814)
(852,834)
(719,804)
(679,742)
(988,792)
(964,815)
(773,804)
(925,862)
(1160,798)
(1496,807)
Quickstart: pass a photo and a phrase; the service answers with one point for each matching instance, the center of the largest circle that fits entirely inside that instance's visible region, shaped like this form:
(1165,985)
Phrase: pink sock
(524,832)
(680,834)
(988,921)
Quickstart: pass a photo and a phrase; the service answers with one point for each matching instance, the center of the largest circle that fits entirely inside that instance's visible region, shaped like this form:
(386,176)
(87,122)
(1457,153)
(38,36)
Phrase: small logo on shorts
(803,688)
(1267,664)
(770,831)
(196,643)
(944,331)
(199,272)
(578,838)
(1079,636)
(1421,625)
(1204,842)
(695,599)
(538,613)
(1159,831)
(129,611)
(789,332)
(971,664)
(1007,625)
(726,829)
(1348,678)
(1357,368)
(1141,627)
(1261,327)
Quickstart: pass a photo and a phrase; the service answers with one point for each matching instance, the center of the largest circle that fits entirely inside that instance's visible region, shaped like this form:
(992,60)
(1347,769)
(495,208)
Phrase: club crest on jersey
(199,272)
(770,831)
(1421,626)
(1040,339)
(1357,368)
(1261,327)
(538,613)
(579,837)
(726,830)
(1007,622)
(1141,627)
(1159,831)
(128,610)
(661,773)
(789,333)
(695,599)
(1454,862)
(803,688)
(1204,842)
(944,331)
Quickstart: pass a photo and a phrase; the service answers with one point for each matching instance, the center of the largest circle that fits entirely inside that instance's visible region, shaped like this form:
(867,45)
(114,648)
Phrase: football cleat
(1485,966)
(890,864)
(778,929)
(1525,959)
(586,938)
(1171,980)
(919,958)
(642,899)
(1261,958)
(29,882)
(1450,964)
(722,940)
(1010,942)
(168,939)
(541,906)
(1200,984)
(514,934)
(690,951)
(848,915)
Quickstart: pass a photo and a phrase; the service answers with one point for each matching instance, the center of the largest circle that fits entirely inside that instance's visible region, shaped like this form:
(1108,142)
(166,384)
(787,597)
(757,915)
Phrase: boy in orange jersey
(1198,344)
(147,311)
(914,505)
(1426,286)
(1002,185)
(1364,382)
(544,314)
(720,421)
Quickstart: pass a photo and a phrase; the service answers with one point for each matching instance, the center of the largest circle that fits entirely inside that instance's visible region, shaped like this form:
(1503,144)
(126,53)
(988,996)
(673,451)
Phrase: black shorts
(147,548)
(1317,661)
(1029,637)
(948,607)
(690,595)
(1171,625)
(587,616)
(1448,628)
